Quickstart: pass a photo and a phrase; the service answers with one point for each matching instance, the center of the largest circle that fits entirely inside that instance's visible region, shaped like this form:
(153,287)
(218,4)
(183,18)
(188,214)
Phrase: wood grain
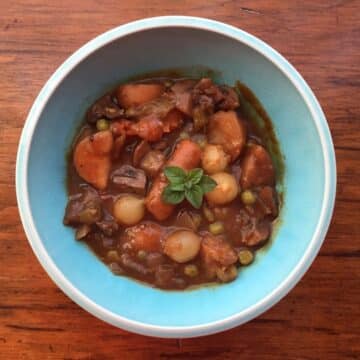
(319,319)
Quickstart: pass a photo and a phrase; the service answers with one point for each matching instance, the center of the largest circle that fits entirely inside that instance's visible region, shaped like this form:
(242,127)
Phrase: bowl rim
(329,169)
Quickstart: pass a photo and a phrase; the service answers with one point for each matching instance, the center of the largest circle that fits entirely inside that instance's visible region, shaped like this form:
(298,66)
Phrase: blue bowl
(150,45)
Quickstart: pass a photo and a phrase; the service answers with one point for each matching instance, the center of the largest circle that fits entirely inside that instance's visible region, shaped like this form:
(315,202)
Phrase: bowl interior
(152,50)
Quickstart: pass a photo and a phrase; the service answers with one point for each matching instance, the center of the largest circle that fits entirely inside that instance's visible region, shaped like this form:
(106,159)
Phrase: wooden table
(320,318)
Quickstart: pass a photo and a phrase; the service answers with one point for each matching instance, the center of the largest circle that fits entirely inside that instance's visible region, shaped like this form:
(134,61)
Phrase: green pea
(112,256)
(248,197)
(102,124)
(246,257)
(196,220)
(226,274)
(209,215)
(142,254)
(202,143)
(216,228)
(184,135)
(191,270)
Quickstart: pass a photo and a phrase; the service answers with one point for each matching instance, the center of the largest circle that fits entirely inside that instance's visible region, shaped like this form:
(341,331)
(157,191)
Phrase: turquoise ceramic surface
(149,45)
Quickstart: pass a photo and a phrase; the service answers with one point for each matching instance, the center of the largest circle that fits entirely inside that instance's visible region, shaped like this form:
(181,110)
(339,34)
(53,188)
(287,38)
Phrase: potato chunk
(257,168)
(137,94)
(217,257)
(227,130)
(92,158)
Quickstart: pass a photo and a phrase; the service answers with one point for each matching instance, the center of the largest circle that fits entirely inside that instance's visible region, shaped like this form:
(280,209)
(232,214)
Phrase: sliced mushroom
(129,179)
(158,107)
(109,226)
(82,231)
(119,144)
(188,219)
(104,107)
(152,162)
(140,151)
(84,208)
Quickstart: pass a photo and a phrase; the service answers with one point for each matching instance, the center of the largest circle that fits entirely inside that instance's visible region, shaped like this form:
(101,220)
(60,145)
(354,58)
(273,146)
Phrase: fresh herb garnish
(190,185)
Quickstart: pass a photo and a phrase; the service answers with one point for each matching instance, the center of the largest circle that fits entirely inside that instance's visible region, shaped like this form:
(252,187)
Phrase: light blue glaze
(300,125)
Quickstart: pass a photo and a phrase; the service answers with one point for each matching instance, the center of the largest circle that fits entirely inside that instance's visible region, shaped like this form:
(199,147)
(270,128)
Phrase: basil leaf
(192,186)
(194,196)
(172,197)
(207,184)
(175,174)
(194,176)
(188,185)
(177,187)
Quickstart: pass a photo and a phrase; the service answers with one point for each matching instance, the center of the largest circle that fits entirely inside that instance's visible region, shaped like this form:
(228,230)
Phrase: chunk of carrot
(186,155)
(172,120)
(145,236)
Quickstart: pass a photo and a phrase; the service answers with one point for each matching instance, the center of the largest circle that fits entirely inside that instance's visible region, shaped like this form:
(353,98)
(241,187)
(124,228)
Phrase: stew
(171,183)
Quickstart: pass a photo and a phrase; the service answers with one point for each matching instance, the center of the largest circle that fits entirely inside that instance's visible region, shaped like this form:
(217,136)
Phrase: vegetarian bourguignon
(171,183)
